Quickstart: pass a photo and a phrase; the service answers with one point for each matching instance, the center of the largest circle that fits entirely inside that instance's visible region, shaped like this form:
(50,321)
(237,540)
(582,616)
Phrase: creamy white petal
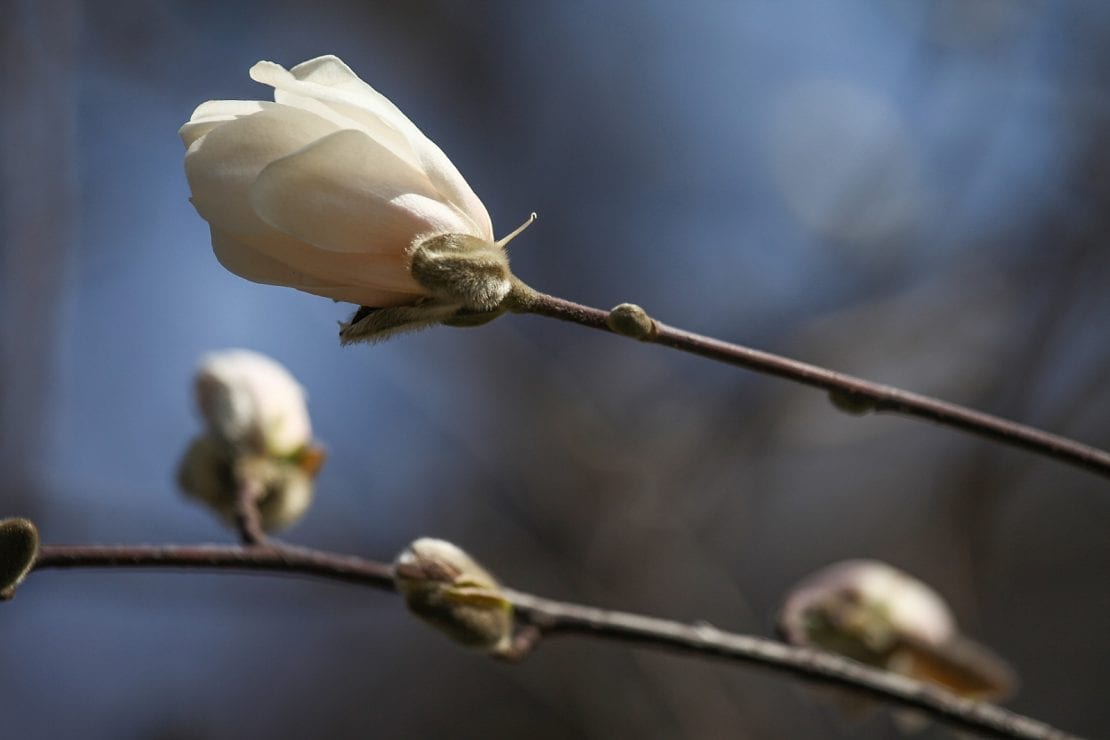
(227,110)
(213,113)
(246,261)
(349,108)
(348,193)
(329,81)
(222,165)
(252,402)
(450,183)
(364,280)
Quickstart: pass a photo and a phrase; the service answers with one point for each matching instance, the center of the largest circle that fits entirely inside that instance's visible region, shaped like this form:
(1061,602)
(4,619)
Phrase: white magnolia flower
(251,403)
(328,189)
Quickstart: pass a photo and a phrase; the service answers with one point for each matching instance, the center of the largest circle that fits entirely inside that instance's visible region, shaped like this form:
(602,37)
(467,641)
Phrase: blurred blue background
(915,192)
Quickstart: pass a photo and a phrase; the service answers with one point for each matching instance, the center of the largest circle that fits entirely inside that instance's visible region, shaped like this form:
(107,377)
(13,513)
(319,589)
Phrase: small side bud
(851,403)
(446,588)
(19,546)
(630,320)
(462,269)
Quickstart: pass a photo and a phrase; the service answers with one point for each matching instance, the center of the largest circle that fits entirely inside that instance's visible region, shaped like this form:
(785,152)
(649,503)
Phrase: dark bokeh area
(915,192)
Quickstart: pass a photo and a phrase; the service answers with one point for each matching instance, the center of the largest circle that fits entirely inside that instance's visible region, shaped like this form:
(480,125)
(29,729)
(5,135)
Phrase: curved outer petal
(348,193)
(223,164)
(329,81)
(210,114)
(247,262)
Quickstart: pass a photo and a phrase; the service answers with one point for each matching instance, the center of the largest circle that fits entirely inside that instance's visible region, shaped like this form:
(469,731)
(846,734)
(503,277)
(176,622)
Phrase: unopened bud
(445,587)
(252,403)
(19,546)
(871,612)
(855,404)
(630,320)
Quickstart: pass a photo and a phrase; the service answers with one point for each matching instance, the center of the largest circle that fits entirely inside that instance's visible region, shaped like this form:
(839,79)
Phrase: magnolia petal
(222,164)
(450,183)
(331,72)
(348,193)
(247,262)
(356,119)
(213,113)
(327,80)
(226,110)
(237,254)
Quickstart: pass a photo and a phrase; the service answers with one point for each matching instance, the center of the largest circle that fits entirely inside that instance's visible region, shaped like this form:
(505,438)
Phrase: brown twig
(248,520)
(846,391)
(275,559)
(539,617)
(816,666)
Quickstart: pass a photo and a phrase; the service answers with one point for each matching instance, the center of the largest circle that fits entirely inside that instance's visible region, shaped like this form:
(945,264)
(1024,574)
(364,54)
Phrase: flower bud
(445,587)
(258,441)
(851,403)
(629,320)
(252,403)
(211,474)
(876,614)
(19,546)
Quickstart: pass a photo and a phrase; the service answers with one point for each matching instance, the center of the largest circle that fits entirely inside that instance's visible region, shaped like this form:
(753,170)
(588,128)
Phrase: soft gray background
(914,191)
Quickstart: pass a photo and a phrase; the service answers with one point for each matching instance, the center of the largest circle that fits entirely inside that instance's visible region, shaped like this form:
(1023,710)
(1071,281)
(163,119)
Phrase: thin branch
(847,391)
(268,558)
(539,617)
(248,520)
(817,666)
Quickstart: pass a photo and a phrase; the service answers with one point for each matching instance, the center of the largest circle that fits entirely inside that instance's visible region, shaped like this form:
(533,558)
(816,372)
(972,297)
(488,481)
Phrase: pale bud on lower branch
(446,588)
(19,545)
(876,614)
